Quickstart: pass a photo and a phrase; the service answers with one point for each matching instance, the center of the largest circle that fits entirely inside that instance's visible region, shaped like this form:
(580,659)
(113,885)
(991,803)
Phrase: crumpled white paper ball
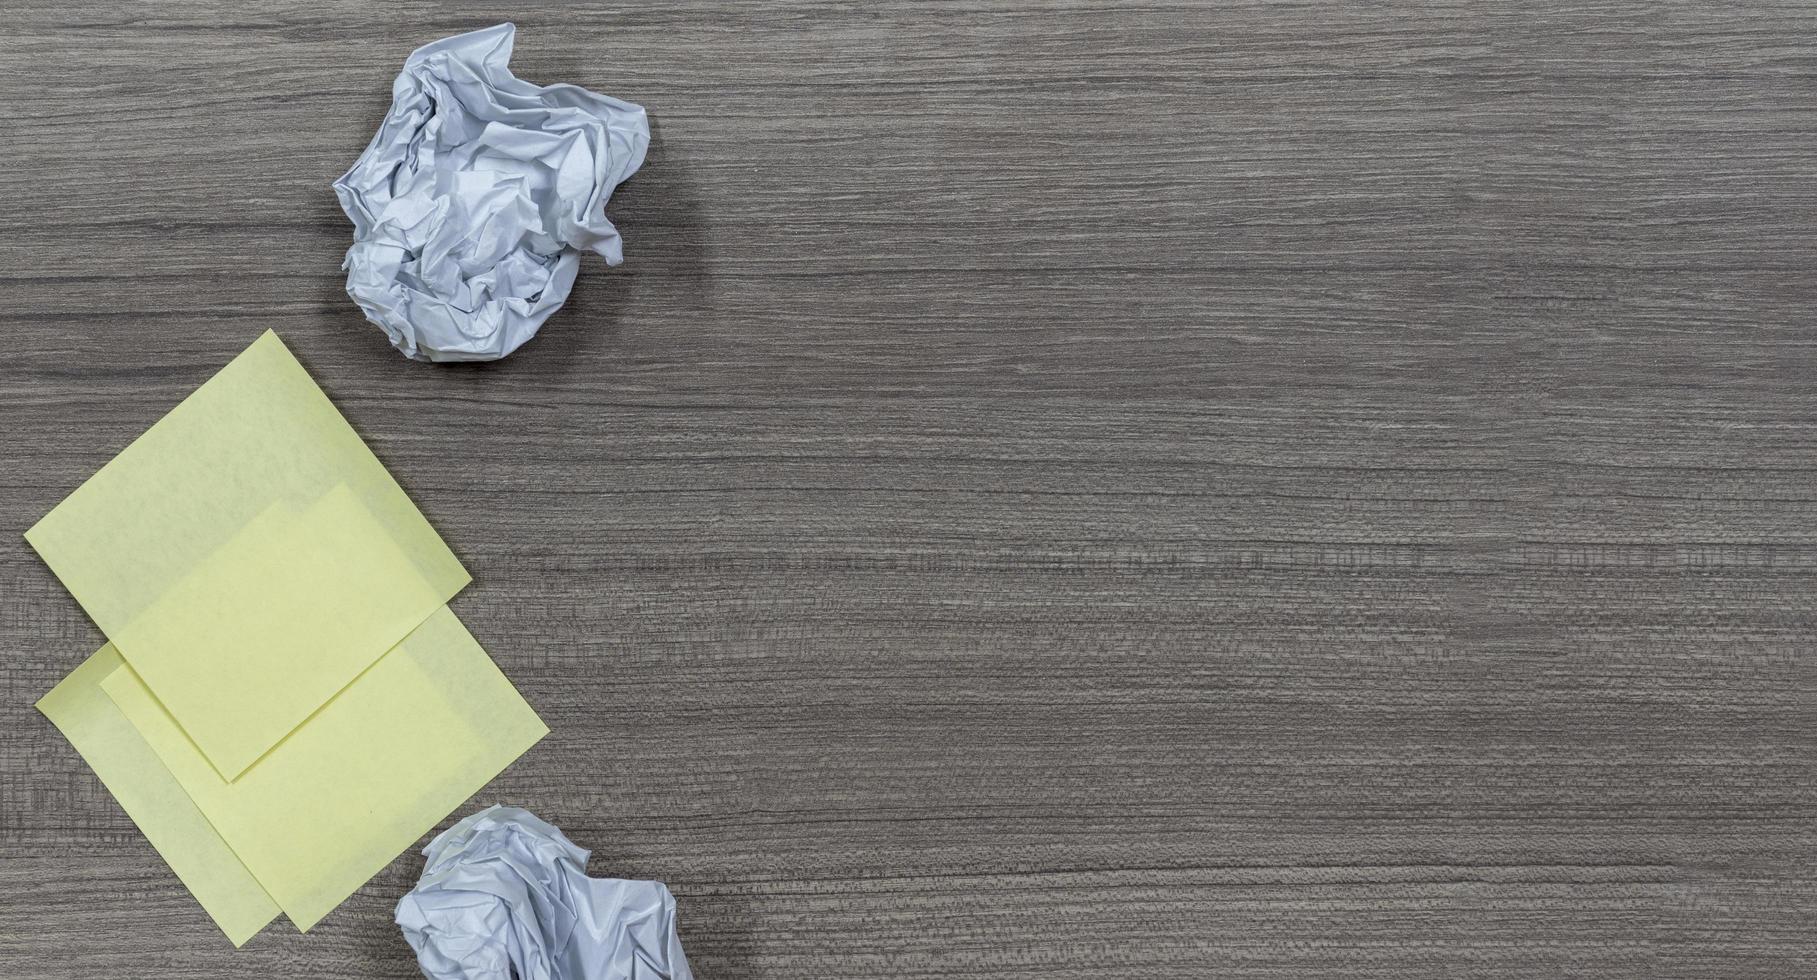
(471,201)
(505,895)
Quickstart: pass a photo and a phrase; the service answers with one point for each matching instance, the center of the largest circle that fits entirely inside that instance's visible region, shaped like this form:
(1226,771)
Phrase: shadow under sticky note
(155,801)
(248,556)
(425,727)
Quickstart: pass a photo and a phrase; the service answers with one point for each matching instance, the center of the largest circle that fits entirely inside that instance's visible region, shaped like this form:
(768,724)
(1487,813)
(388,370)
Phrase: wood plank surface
(1060,490)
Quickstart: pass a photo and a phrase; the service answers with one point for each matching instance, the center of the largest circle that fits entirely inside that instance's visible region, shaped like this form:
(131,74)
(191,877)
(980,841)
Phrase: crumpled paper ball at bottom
(504,891)
(471,201)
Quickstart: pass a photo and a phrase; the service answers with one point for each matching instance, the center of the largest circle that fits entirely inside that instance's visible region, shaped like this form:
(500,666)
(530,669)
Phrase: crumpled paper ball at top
(471,201)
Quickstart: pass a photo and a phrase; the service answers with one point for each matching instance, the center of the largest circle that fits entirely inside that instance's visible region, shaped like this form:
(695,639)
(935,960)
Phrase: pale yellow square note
(154,800)
(382,762)
(248,556)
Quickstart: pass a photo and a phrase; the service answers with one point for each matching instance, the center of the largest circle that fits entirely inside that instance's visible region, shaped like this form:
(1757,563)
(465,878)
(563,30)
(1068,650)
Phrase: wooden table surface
(1056,490)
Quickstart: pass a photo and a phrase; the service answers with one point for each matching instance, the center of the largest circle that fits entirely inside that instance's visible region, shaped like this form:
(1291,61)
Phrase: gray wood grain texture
(1056,490)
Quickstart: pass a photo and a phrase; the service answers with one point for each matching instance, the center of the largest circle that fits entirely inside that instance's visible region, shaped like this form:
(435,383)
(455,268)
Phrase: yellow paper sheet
(347,586)
(151,796)
(231,554)
(406,743)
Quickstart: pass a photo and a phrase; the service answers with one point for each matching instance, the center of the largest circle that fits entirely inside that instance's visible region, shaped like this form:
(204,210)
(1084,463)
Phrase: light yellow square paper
(406,743)
(151,796)
(248,556)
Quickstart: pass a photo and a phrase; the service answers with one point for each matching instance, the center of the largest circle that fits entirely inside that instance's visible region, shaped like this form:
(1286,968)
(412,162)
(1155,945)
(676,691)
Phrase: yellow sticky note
(347,586)
(234,555)
(154,800)
(420,731)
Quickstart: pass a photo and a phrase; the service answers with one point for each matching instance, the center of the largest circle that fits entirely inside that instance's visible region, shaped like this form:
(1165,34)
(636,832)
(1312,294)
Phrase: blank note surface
(248,556)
